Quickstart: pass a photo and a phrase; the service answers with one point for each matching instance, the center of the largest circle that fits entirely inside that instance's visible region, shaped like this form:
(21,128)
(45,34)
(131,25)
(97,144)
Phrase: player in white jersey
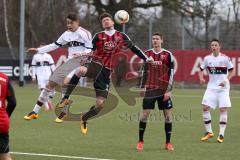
(42,67)
(220,70)
(79,42)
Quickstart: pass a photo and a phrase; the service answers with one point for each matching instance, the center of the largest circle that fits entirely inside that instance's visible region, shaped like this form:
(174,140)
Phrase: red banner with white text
(187,63)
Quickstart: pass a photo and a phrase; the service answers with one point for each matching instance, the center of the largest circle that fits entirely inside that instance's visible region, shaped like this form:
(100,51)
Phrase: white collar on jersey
(161,50)
(110,32)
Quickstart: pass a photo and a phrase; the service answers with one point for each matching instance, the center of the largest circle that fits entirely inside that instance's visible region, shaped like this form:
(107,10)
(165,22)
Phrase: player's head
(157,40)
(72,22)
(107,21)
(215,45)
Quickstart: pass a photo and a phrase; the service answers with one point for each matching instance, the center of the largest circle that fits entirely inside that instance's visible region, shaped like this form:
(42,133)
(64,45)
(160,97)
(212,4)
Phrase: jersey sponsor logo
(162,57)
(109,46)
(75,44)
(217,70)
(157,63)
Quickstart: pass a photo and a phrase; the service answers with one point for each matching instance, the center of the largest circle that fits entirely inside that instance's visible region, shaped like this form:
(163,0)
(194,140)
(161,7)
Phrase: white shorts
(42,83)
(71,73)
(216,98)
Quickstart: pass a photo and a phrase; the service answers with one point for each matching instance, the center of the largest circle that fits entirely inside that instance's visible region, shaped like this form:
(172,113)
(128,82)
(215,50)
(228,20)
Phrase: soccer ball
(121,17)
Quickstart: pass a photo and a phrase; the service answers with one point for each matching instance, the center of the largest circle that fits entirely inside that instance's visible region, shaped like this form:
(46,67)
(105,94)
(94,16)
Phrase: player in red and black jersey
(105,45)
(6,94)
(158,83)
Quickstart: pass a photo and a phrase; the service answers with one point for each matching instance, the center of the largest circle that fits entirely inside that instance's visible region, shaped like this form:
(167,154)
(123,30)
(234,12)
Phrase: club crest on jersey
(222,64)
(117,39)
(162,57)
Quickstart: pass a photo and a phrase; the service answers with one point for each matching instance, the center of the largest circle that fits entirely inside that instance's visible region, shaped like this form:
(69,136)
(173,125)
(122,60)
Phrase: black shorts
(102,82)
(93,69)
(152,96)
(4,143)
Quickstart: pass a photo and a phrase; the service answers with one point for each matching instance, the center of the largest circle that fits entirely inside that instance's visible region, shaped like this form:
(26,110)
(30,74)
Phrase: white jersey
(43,66)
(79,41)
(217,68)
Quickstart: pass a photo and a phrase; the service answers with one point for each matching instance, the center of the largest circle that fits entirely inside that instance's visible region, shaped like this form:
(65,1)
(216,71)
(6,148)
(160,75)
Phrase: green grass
(114,135)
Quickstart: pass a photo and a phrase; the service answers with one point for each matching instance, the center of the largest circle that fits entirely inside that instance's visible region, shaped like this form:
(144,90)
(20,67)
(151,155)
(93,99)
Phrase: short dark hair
(72,16)
(215,40)
(104,15)
(157,34)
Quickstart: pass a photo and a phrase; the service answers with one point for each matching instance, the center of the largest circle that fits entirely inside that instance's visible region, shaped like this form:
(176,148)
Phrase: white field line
(57,156)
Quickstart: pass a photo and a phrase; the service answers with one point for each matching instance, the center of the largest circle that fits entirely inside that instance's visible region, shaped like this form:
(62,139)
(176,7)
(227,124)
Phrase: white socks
(36,108)
(207,121)
(222,122)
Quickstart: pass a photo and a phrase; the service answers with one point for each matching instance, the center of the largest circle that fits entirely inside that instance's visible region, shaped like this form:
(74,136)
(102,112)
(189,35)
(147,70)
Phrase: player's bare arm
(201,77)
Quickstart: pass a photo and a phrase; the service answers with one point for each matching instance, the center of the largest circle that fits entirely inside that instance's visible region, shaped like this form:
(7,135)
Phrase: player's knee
(223,109)
(66,81)
(100,102)
(51,85)
(81,71)
(168,119)
(206,108)
(145,115)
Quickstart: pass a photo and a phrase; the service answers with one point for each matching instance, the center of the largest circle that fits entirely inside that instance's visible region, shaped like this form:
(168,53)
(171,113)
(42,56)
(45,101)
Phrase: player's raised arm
(134,48)
(50,47)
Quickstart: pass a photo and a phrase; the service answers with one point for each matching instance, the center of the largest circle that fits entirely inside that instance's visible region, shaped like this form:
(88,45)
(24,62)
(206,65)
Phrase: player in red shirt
(6,94)
(105,45)
(158,84)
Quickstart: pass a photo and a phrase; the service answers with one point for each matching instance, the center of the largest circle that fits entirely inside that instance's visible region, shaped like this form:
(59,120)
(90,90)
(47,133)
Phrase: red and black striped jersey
(6,94)
(160,72)
(105,46)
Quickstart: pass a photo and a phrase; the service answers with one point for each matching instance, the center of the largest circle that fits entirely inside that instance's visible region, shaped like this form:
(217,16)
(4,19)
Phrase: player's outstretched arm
(134,48)
(11,100)
(32,50)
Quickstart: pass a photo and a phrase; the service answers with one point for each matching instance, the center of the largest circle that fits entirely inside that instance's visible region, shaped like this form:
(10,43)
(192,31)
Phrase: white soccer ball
(121,17)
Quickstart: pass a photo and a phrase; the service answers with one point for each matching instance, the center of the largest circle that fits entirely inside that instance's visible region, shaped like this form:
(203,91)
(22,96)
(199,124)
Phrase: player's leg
(5,156)
(81,71)
(224,104)
(101,86)
(43,98)
(167,106)
(222,124)
(142,126)
(91,70)
(209,101)
(148,104)
(66,81)
(71,84)
(41,84)
(93,111)
(207,119)
(4,147)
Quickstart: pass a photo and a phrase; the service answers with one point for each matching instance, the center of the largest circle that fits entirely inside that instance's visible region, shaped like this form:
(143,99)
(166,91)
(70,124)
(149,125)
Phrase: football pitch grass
(114,135)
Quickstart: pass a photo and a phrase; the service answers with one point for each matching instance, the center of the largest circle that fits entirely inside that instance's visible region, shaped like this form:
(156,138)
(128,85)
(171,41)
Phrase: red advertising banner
(187,63)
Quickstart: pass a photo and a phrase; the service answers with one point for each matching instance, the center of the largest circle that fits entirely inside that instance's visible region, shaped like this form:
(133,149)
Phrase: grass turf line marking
(57,156)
